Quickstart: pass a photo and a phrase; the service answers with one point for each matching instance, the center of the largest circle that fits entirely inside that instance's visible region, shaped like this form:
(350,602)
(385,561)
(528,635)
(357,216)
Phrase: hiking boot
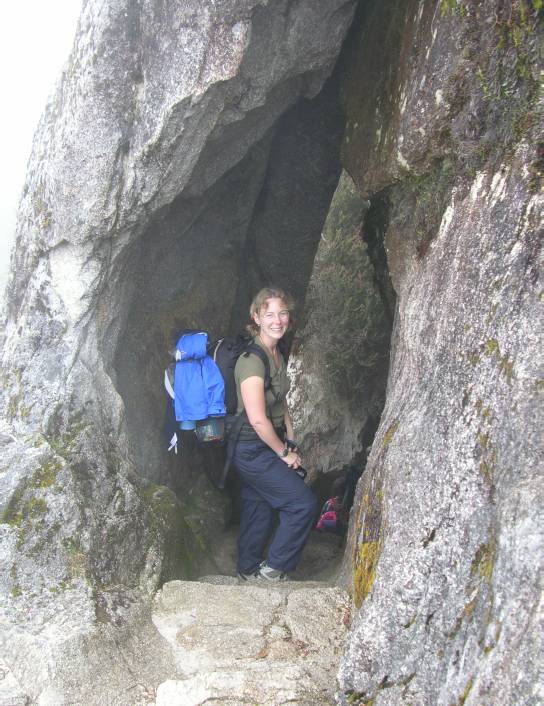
(248,577)
(269,574)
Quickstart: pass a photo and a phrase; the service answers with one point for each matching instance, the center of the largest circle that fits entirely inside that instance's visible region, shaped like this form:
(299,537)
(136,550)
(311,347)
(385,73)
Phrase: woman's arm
(252,390)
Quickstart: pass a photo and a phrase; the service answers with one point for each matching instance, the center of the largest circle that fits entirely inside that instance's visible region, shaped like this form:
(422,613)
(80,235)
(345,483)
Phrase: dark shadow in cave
(202,258)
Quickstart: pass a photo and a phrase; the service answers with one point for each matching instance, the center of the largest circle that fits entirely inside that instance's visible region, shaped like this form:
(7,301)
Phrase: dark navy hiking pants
(269,489)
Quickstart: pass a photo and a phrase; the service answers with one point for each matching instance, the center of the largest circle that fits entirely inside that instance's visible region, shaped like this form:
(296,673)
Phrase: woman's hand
(292,459)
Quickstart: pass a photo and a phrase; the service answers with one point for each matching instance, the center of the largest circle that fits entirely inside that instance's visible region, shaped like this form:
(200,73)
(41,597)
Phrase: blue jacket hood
(192,346)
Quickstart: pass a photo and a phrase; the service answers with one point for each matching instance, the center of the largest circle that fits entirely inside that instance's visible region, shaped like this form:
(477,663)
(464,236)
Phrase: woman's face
(273,318)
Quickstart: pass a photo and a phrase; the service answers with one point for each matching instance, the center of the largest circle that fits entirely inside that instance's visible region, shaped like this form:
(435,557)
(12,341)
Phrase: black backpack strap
(236,428)
(261,354)
(234,433)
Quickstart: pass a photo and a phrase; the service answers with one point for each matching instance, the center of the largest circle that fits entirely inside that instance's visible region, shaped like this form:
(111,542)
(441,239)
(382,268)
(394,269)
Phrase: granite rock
(340,357)
(251,644)
(445,552)
(162,109)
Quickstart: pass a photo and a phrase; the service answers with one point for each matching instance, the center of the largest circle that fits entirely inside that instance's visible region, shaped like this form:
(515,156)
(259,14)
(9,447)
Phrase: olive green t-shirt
(250,366)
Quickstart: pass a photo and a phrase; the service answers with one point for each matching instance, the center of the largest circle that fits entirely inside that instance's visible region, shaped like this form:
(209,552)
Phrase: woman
(266,457)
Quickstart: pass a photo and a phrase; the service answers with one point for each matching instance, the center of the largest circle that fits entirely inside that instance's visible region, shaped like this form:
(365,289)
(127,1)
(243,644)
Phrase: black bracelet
(291,443)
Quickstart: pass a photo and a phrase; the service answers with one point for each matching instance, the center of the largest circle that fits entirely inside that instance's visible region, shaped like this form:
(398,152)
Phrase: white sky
(35,41)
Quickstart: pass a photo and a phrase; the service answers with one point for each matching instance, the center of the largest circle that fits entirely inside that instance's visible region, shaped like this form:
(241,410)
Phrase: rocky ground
(252,643)
(219,642)
(320,561)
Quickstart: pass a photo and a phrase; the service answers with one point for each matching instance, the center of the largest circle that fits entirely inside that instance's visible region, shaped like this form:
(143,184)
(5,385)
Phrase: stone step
(251,643)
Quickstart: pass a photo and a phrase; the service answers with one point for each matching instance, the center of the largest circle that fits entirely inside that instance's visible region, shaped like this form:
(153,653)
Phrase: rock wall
(340,357)
(445,549)
(148,205)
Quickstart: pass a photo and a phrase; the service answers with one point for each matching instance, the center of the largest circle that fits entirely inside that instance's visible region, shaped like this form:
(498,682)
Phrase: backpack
(225,353)
(327,521)
(196,390)
(327,517)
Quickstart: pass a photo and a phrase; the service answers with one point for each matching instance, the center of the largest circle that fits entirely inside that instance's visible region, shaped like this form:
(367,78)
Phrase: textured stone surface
(116,657)
(11,693)
(445,555)
(147,178)
(338,366)
(251,644)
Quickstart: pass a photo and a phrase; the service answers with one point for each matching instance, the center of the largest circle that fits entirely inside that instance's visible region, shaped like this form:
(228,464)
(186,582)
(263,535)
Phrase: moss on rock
(170,528)
(46,475)
(390,433)
(365,571)
(419,202)
(368,529)
(484,561)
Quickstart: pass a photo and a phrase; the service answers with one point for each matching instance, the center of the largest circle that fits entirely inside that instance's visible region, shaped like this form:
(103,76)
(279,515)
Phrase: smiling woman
(35,41)
(266,456)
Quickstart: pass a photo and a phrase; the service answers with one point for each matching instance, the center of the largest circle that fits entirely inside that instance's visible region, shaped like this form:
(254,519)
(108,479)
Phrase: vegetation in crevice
(357,698)
(368,542)
(506,61)
(46,475)
(63,435)
(484,561)
(466,692)
(419,202)
(26,509)
(390,433)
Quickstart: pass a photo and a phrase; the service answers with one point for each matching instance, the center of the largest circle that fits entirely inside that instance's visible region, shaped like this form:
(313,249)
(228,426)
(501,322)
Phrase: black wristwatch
(284,453)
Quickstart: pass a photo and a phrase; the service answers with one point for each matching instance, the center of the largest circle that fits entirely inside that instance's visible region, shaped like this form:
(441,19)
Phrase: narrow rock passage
(255,644)
(321,559)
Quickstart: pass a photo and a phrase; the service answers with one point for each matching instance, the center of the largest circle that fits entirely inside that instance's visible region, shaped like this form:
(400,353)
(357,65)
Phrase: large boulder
(146,200)
(251,644)
(446,538)
(340,357)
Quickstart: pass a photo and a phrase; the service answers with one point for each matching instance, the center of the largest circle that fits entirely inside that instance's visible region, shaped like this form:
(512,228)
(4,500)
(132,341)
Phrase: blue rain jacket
(198,384)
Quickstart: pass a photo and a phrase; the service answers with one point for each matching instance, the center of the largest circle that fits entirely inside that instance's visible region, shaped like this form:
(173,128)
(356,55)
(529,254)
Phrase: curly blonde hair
(260,302)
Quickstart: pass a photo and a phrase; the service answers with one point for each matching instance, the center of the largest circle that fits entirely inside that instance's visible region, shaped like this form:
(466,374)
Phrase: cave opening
(198,265)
